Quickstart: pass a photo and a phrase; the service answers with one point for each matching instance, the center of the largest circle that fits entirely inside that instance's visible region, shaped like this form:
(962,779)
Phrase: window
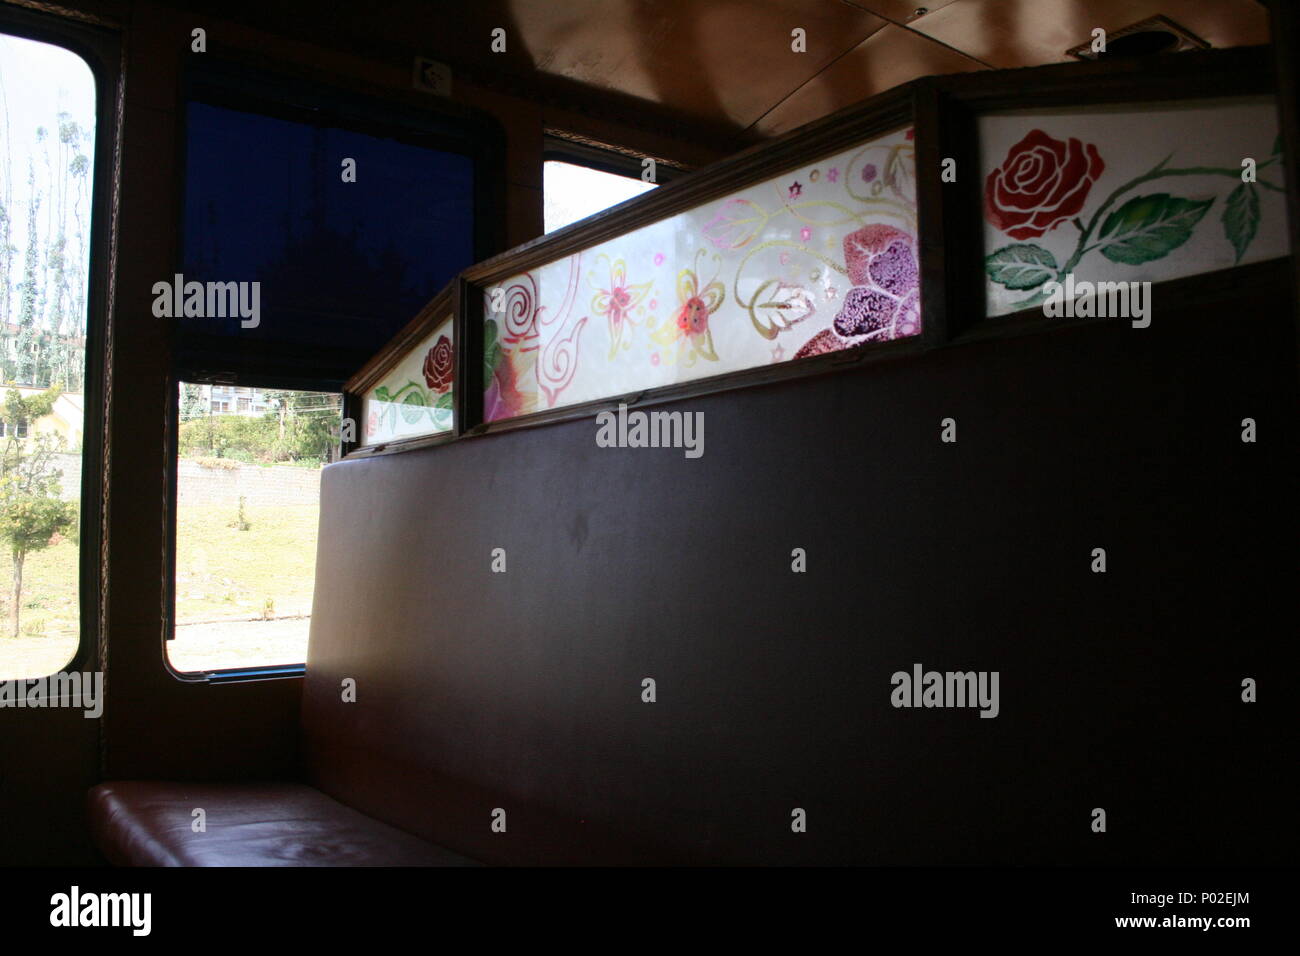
(47,130)
(334,219)
(348,217)
(247,507)
(572,192)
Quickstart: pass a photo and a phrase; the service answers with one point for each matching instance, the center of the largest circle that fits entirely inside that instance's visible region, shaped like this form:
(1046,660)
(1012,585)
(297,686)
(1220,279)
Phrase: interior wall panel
(1122,690)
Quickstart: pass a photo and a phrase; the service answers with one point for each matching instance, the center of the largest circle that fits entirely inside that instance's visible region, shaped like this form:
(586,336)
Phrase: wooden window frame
(98,43)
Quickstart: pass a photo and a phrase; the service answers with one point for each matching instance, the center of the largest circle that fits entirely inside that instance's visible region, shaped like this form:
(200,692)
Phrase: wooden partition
(1077,432)
(518,684)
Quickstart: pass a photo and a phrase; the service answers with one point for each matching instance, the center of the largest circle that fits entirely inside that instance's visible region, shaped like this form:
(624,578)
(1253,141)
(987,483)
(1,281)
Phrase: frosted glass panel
(1127,194)
(820,258)
(415,398)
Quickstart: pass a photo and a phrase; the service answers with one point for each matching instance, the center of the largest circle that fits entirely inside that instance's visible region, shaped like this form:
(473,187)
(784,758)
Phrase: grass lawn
(50,590)
(222,574)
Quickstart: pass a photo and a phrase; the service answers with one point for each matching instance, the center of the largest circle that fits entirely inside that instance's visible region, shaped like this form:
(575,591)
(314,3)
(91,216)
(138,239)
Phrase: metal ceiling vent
(1144,38)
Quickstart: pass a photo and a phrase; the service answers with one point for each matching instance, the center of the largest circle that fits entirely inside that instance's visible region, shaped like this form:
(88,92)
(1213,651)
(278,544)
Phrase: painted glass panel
(415,398)
(821,258)
(1127,194)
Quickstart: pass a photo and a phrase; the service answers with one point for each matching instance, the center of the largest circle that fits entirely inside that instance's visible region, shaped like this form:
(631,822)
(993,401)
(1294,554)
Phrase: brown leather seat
(148,823)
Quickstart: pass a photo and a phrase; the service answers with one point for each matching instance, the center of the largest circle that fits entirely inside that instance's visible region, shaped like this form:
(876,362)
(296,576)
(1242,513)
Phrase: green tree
(298,427)
(307,424)
(193,403)
(42,315)
(32,289)
(31,510)
(228,436)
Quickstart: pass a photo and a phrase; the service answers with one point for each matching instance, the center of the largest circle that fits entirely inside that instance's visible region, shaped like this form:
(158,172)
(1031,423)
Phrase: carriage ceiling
(725,68)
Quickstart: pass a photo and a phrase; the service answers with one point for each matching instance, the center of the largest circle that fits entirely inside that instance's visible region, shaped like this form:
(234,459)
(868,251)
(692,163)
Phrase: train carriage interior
(683,433)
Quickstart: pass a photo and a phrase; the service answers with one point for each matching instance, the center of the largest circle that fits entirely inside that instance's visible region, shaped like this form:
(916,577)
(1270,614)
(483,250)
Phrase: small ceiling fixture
(1144,38)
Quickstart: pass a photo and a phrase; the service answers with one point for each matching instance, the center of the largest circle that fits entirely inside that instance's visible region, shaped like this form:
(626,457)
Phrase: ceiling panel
(1011,33)
(900,11)
(725,60)
(887,58)
(714,68)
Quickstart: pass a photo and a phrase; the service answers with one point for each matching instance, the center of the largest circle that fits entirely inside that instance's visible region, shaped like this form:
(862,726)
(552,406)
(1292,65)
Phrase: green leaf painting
(1241,217)
(442,411)
(413,403)
(491,350)
(1150,227)
(1021,266)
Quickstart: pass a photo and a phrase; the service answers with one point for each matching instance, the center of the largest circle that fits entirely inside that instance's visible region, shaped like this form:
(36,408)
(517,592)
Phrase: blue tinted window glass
(340,264)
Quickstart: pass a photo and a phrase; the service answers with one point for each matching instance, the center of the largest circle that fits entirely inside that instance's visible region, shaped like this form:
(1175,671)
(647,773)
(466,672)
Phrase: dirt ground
(40,656)
(197,647)
(221,646)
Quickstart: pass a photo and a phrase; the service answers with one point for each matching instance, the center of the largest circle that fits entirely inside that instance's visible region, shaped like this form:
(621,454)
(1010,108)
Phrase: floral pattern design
(823,253)
(618,303)
(690,327)
(416,398)
(1088,218)
(884,302)
(439,365)
(1042,183)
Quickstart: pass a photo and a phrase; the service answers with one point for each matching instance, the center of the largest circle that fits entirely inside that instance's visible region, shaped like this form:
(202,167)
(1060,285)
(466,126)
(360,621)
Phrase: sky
(576,192)
(37,82)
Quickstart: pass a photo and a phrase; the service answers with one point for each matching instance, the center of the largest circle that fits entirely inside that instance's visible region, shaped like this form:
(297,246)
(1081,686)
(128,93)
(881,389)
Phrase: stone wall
(200,484)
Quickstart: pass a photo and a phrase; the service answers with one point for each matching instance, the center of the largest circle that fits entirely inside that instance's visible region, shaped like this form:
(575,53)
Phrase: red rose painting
(1042,183)
(439,365)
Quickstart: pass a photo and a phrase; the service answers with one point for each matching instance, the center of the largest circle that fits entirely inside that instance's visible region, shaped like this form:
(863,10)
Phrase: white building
(235,400)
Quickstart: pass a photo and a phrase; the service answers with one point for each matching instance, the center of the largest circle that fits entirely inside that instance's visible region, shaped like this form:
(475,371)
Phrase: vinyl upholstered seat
(147,823)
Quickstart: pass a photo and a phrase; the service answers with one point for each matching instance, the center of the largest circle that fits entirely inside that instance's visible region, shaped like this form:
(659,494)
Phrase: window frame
(259,672)
(237,80)
(565,147)
(98,43)
(577,150)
